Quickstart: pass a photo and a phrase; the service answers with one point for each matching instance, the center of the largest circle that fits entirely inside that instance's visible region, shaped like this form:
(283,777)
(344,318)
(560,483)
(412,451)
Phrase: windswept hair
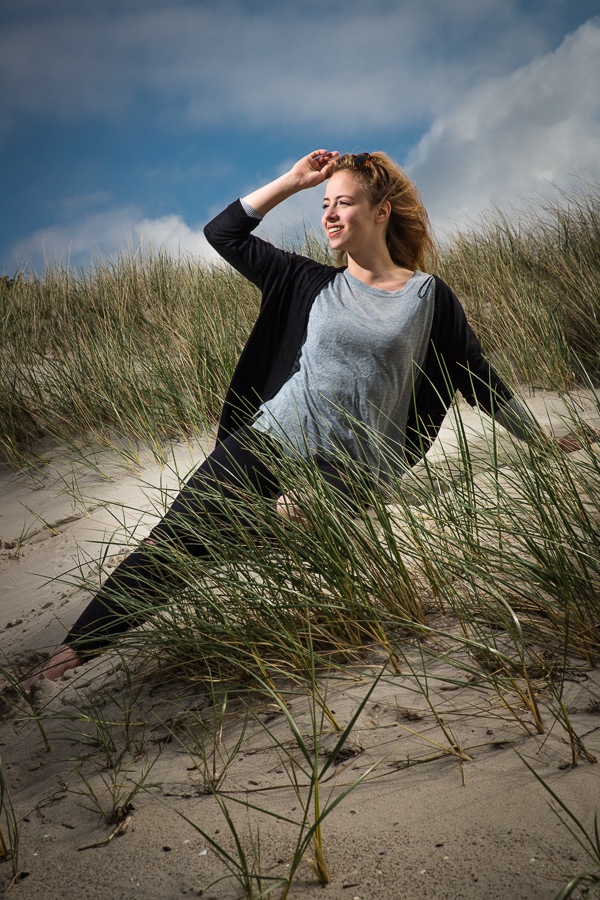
(408,237)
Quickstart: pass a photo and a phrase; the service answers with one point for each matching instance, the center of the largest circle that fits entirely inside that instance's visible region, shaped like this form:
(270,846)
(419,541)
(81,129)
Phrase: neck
(377,269)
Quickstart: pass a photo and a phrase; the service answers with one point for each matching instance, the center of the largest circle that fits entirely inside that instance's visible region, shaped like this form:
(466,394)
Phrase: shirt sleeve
(514,416)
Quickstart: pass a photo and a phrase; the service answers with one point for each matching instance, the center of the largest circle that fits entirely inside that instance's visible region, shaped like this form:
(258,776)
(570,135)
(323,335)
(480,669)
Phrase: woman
(348,361)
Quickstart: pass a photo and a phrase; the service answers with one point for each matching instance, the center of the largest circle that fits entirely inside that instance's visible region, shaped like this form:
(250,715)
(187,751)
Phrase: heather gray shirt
(352,384)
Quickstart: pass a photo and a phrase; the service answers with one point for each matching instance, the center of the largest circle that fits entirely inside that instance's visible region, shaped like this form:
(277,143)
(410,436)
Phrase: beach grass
(531,283)
(143,346)
(497,555)
(10,828)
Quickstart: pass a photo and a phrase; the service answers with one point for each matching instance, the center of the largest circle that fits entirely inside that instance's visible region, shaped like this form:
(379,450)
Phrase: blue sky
(129,120)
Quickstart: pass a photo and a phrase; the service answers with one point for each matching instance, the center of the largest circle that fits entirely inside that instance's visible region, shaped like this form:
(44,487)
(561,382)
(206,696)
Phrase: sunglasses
(361,159)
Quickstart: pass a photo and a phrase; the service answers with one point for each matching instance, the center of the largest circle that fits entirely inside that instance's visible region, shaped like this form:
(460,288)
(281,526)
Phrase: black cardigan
(289,285)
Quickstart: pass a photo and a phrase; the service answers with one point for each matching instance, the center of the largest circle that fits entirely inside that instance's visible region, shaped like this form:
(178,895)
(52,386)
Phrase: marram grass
(144,346)
(531,285)
(507,546)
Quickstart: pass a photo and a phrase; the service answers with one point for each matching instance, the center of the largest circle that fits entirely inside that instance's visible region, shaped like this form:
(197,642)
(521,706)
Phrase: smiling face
(351,222)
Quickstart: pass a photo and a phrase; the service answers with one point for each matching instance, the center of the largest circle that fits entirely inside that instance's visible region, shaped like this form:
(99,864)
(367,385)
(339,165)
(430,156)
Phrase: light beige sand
(437,828)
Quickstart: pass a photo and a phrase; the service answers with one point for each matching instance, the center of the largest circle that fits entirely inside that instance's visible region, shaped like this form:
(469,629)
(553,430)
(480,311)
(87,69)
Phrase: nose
(330,213)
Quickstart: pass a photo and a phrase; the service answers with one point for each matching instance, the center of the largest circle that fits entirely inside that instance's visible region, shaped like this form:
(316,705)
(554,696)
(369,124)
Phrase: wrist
(289,183)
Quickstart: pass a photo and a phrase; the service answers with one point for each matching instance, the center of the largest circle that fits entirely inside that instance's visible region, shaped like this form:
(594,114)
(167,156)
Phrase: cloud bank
(106,234)
(514,135)
(259,63)
(507,139)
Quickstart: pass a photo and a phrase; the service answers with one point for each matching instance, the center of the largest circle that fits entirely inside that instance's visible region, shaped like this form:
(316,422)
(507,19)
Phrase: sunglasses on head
(361,159)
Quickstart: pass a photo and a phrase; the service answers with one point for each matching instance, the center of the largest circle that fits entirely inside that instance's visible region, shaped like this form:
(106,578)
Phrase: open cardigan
(289,284)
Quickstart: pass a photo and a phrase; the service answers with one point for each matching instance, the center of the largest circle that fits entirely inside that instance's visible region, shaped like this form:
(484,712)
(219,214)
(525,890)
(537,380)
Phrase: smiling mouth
(335,230)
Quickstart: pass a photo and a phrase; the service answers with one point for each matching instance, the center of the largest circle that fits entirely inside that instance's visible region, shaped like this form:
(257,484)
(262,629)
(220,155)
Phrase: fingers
(319,159)
(575,440)
(311,170)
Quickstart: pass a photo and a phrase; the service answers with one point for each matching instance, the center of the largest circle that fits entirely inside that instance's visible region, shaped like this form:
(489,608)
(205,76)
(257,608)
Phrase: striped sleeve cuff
(249,210)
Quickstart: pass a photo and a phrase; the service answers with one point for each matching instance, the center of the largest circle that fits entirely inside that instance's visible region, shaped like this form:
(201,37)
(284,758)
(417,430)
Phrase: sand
(425,824)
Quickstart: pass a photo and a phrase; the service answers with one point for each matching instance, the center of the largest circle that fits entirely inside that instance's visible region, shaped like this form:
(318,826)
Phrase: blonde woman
(344,362)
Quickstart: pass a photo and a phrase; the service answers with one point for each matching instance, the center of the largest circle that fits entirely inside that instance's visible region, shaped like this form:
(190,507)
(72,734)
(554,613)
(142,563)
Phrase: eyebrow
(338,197)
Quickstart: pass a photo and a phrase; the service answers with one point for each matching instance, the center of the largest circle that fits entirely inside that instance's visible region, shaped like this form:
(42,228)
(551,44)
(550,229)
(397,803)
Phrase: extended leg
(233,466)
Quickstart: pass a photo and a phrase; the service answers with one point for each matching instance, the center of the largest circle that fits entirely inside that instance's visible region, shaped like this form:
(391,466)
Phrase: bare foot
(63,658)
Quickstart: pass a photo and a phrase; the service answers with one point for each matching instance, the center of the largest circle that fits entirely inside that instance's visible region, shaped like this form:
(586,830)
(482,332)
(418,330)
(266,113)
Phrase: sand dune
(428,826)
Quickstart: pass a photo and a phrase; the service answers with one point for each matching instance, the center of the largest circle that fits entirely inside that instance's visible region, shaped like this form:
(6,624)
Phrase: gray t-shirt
(352,384)
(513,415)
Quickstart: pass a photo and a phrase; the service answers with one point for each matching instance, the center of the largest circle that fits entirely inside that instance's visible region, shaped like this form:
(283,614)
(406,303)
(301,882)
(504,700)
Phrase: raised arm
(230,232)
(308,172)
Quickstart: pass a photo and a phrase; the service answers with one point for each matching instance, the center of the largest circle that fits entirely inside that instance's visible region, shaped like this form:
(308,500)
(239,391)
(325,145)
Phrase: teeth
(336,229)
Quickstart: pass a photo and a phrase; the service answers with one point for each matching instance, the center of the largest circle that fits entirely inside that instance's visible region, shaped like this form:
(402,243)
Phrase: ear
(383,212)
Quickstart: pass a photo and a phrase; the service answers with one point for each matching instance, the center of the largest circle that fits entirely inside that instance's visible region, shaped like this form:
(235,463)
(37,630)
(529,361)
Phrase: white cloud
(278,63)
(104,234)
(514,135)
(171,233)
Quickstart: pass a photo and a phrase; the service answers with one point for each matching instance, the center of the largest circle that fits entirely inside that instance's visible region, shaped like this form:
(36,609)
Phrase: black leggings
(236,463)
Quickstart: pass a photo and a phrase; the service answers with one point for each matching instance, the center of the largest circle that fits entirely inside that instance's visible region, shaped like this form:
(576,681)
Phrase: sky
(128,121)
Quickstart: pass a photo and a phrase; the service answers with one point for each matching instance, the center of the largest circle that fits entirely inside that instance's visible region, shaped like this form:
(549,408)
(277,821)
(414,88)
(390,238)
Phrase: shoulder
(447,303)
(429,285)
(443,290)
(422,283)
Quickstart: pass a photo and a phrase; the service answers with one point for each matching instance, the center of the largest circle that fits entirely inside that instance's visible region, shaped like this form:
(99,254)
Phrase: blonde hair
(408,236)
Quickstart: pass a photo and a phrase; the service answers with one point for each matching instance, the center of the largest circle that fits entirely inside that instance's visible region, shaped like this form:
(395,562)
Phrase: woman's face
(349,219)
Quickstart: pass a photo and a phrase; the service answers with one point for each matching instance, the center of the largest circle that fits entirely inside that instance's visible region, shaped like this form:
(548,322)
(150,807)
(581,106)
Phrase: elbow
(211,234)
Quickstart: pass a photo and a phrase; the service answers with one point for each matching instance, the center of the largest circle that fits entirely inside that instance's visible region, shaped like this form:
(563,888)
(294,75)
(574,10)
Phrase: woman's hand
(308,172)
(313,169)
(575,440)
